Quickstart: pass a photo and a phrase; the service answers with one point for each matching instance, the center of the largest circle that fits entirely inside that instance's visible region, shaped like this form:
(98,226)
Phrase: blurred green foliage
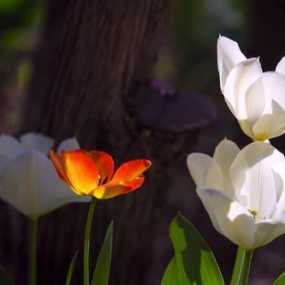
(196,24)
(19,19)
(194,28)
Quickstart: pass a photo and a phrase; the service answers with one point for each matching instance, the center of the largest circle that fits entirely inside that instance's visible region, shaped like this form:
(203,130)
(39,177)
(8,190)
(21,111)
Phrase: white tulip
(243,191)
(256,98)
(28,180)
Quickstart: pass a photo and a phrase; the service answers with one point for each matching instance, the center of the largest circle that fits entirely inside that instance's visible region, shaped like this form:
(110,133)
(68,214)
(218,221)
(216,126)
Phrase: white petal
(69,144)
(31,185)
(272,122)
(255,101)
(280,185)
(205,171)
(264,128)
(229,55)
(274,89)
(10,147)
(229,217)
(38,142)
(241,77)
(270,125)
(280,68)
(246,127)
(253,177)
(268,231)
(225,153)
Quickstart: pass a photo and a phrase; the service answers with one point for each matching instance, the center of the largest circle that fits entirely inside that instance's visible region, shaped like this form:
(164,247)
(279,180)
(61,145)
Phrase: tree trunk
(92,55)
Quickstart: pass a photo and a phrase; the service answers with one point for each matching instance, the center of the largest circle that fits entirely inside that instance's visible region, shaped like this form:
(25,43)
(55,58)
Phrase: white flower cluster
(243,190)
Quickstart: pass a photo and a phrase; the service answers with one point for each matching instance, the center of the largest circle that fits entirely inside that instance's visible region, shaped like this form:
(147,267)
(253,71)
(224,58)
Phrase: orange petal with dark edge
(58,164)
(109,190)
(130,170)
(105,164)
(81,171)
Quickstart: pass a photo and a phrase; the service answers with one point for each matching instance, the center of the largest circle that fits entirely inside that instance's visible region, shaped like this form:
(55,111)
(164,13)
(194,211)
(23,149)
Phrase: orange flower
(92,173)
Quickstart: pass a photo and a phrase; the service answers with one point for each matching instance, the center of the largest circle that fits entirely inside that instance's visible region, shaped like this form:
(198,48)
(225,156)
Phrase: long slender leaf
(280,280)
(193,262)
(103,266)
(71,269)
(170,276)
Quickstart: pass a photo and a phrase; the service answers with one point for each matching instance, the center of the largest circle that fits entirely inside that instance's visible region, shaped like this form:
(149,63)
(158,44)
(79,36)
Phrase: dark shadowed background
(137,79)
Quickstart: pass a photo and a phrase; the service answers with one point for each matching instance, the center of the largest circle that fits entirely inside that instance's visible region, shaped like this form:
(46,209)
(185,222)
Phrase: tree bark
(93,54)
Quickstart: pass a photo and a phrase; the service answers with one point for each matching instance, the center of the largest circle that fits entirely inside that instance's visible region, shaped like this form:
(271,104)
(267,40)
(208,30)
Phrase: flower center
(253,212)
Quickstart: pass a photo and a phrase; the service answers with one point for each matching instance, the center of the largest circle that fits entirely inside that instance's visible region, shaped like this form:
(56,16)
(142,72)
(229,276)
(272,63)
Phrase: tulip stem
(87,237)
(242,266)
(33,230)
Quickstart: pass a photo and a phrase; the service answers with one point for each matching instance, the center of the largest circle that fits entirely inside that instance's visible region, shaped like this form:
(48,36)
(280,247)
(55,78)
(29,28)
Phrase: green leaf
(170,276)
(7,6)
(193,263)
(103,266)
(70,269)
(280,280)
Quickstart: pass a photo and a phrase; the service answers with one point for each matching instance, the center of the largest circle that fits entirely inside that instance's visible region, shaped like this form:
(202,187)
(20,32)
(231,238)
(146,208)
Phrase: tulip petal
(105,165)
(68,144)
(10,147)
(129,171)
(280,68)
(255,100)
(37,189)
(127,178)
(270,125)
(225,153)
(268,230)
(205,171)
(229,55)
(241,77)
(280,186)
(264,128)
(229,217)
(111,190)
(81,171)
(253,178)
(274,89)
(58,163)
(33,141)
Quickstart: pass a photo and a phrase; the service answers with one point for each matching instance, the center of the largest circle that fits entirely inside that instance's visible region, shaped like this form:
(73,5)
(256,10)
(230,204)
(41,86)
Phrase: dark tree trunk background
(266,34)
(94,61)
(92,55)
(94,58)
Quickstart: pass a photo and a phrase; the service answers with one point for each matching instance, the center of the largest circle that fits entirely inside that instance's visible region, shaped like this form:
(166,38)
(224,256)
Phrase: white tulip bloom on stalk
(28,180)
(243,191)
(256,98)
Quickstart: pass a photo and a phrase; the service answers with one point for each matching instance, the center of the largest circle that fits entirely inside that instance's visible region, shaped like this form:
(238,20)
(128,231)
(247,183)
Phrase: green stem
(87,236)
(33,230)
(242,267)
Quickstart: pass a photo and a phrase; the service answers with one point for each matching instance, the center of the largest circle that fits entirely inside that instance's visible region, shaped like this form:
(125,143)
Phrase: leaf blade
(195,262)
(71,269)
(170,275)
(102,270)
(280,279)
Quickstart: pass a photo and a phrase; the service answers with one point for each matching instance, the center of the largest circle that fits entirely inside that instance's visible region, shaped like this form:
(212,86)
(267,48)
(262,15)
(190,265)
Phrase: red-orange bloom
(92,173)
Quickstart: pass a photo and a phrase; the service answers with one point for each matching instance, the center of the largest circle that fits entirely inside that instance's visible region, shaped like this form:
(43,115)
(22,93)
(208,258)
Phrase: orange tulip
(92,173)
